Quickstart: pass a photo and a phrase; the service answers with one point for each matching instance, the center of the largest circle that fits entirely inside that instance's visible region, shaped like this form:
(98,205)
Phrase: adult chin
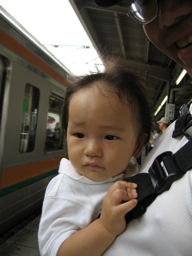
(186,58)
(189,71)
(182,57)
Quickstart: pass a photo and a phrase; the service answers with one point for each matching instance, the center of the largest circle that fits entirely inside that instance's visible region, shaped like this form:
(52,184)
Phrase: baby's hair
(127,87)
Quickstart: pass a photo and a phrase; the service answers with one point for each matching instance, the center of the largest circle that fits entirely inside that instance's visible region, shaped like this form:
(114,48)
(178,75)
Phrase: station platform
(23,242)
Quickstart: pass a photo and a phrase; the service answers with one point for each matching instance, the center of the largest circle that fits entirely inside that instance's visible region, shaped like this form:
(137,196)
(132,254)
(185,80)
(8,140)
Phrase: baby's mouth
(184,43)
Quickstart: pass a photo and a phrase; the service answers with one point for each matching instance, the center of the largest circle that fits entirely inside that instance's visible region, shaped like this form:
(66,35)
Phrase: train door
(54,129)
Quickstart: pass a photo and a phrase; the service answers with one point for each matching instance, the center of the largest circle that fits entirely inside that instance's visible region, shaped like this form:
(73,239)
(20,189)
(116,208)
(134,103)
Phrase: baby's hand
(113,211)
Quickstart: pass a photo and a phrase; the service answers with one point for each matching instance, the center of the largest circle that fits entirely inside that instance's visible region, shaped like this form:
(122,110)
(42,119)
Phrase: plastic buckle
(164,171)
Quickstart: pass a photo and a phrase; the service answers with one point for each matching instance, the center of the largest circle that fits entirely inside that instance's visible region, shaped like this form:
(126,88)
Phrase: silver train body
(32,89)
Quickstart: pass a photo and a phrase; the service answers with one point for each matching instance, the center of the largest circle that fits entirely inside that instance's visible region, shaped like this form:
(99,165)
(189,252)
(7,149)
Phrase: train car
(32,89)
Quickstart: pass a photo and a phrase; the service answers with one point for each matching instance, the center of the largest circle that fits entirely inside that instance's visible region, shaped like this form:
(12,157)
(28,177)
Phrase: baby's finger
(127,206)
(131,185)
(131,190)
(119,195)
(122,191)
(132,193)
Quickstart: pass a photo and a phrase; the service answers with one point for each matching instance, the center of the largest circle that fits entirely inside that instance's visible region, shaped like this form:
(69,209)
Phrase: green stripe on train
(26,183)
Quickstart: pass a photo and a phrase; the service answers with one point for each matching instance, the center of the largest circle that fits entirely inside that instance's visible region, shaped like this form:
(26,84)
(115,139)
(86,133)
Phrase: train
(32,89)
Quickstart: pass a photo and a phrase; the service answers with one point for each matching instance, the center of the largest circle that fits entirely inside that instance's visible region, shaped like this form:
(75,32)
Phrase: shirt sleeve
(61,217)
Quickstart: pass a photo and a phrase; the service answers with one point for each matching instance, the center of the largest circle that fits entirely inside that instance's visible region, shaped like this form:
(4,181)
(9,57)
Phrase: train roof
(14,29)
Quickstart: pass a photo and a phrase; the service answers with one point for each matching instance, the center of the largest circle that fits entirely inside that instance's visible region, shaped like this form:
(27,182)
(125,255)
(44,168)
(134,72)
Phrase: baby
(107,120)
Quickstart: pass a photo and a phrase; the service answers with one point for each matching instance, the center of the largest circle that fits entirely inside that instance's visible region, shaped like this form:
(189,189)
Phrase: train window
(54,129)
(29,122)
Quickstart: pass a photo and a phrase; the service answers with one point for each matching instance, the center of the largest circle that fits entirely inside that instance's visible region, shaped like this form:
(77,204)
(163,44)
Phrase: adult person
(166,227)
(163,124)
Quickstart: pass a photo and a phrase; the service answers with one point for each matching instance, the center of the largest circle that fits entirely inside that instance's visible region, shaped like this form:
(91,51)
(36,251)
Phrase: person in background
(163,124)
(107,119)
(166,226)
(152,141)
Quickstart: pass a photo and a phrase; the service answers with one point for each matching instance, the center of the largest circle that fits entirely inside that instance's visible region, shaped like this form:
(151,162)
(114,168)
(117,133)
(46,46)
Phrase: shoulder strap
(165,169)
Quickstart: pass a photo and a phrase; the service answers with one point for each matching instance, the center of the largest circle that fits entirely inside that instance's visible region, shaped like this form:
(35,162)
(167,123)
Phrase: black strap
(183,126)
(146,195)
(165,169)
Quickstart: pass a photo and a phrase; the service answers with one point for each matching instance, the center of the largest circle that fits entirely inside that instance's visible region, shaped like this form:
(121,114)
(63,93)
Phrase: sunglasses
(142,11)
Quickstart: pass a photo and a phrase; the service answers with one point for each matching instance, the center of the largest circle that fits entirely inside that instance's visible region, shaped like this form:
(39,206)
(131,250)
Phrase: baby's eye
(111,137)
(79,135)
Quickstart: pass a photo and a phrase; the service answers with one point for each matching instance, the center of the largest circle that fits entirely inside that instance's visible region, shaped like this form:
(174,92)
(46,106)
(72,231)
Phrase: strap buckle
(164,171)
(187,131)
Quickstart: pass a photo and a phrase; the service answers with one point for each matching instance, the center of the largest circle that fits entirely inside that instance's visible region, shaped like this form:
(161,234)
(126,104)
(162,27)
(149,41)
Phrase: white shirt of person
(166,227)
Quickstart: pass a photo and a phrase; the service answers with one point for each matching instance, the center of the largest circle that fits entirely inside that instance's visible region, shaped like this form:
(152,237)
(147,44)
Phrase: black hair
(126,85)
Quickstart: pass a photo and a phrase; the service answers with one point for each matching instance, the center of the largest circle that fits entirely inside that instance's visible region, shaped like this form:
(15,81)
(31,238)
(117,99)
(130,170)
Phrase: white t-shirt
(166,227)
(71,203)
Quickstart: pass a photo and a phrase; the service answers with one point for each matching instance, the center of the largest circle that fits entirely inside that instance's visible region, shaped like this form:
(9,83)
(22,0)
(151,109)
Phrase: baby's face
(101,133)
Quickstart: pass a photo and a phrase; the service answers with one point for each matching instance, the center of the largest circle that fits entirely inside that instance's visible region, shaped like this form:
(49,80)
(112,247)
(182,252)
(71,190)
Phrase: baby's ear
(140,145)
